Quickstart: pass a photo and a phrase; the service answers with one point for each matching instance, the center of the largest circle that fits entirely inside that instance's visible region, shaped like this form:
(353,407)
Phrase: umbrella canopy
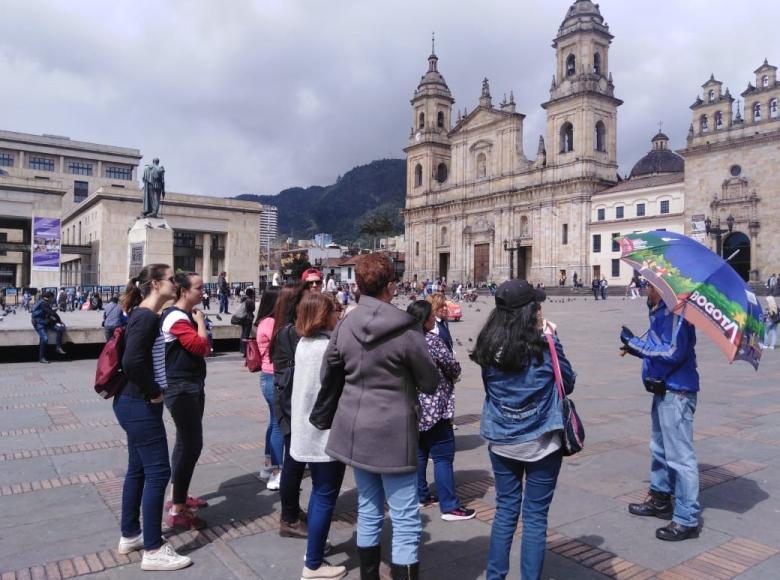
(700,286)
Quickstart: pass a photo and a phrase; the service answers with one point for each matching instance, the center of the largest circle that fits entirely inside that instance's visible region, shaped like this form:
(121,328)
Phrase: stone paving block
(34,469)
(18,418)
(82,435)
(71,464)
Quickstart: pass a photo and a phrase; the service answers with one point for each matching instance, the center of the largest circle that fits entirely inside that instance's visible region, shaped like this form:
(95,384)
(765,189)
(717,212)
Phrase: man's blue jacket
(670,342)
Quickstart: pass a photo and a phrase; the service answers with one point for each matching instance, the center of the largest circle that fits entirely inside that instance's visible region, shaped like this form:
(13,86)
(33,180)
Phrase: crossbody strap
(555,365)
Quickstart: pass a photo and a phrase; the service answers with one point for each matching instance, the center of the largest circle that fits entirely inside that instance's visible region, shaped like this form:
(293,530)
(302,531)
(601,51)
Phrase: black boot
(370,559)
(405,571)
(675,532)
(656,504)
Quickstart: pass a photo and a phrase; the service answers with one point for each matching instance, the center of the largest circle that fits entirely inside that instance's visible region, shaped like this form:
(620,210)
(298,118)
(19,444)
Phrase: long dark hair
(267,302)
(510,340)
(284,312)
(139,287)
(421,310)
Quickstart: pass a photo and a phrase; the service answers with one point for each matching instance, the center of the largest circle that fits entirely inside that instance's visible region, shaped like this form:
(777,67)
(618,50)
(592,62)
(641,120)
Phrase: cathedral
(477,207)
(480,209)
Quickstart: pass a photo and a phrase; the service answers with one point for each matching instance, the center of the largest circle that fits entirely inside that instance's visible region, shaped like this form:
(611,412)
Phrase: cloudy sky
(258,95)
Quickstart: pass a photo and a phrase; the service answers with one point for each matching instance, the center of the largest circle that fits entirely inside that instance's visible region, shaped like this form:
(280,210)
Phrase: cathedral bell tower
(428,155)
(582,110)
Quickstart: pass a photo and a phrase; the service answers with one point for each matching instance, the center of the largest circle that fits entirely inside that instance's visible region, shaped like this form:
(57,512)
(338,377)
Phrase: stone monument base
(149,241)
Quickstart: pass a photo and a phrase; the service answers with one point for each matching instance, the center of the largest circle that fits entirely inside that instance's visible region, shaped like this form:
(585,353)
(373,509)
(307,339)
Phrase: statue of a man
(154,188)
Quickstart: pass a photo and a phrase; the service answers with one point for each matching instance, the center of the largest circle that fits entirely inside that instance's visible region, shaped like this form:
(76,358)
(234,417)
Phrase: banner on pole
(46,244)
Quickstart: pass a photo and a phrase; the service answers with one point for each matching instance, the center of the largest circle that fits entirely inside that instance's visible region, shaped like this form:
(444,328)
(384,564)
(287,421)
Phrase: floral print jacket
(441,404)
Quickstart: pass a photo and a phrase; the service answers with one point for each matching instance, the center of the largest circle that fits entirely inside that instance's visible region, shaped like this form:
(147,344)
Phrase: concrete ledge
(10,337)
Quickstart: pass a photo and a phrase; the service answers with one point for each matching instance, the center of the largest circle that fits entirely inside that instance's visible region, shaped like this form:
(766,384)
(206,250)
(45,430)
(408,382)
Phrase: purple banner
(46,244)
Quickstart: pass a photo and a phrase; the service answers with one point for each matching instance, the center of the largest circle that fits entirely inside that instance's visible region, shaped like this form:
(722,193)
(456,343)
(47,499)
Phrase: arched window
(524,225)
(443,240)
(421,121)
(704,124)
(441,172)
(773,108)
(718,120)
(600,137)
(711,96)
(765,81)
(570,68)
(417,248)
(481,165)
(597,64)
(417,175)
(756,111)
(567,138)
(440,119)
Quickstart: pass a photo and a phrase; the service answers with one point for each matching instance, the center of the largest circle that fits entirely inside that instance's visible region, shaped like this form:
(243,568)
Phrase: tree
(375,224)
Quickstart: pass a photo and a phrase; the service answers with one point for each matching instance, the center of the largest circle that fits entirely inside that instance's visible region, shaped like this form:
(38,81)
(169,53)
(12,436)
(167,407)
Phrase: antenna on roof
(433,42)
(660,126)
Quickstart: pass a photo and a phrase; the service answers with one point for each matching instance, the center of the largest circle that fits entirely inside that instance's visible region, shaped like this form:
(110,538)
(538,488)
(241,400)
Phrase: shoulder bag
(573,436)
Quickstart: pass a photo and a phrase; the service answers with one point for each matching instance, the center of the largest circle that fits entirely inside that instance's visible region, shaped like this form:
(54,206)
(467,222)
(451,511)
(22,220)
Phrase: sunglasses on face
(314,283)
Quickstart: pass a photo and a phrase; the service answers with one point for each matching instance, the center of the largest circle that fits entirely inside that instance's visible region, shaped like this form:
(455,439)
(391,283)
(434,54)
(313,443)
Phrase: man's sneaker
(296,530)
(656,504)
(429,501)
(60,350)
(326,571)
(185,520)
(127,545)
(458,514)
(674,532)
(274,482)
(165,558)
(43,361)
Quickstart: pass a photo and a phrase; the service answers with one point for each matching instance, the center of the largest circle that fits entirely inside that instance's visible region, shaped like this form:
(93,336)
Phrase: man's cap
(516,293)
(311,274)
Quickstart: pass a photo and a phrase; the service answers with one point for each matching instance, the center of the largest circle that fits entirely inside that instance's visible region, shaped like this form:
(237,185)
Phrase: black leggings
(290,485)
(186,408)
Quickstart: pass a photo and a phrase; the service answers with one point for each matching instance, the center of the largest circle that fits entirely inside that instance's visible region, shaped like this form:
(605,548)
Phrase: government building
(480,209)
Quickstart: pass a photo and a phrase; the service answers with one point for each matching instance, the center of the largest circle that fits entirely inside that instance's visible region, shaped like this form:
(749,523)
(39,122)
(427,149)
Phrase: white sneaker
(274,482)
(265,473)
(127,545)
(165,558)
(326,571)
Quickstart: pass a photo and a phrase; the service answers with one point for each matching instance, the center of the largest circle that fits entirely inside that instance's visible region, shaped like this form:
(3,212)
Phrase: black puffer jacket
(283,358)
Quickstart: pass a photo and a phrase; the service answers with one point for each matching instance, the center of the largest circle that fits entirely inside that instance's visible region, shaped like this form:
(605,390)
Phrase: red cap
(311,274)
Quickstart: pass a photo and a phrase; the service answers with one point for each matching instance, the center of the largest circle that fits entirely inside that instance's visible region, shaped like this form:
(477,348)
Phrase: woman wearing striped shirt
(139,410)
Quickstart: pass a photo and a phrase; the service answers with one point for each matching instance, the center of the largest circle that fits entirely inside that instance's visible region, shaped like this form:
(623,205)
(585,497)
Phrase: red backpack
(109,378)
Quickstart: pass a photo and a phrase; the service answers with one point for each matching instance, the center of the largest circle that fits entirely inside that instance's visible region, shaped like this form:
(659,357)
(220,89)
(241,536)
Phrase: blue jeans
(770,334)
(223,303)
(326,479)
(400,492)
(438,443)
(540,479)
(43,336)
(674,468)
(148,470)
(274,440)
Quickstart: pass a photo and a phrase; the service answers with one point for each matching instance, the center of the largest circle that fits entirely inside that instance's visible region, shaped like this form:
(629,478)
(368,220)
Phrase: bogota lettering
(716,315)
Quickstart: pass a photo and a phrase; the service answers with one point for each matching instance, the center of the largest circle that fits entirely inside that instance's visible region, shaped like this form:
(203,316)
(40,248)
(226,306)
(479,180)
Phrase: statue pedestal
(149,241)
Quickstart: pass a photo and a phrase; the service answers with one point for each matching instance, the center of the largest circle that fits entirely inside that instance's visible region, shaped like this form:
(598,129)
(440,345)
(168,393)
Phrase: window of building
(349,272)
(441,172)
(619,210)
(184,263)
(3,240)
(570,66)
(481,165)
(184,239)
(665,206)
(118,172)
(773,108)
(703,124)
(567,137)
(601,214)
(417,175)
(565,234)
(421,121)
(640,209)
(440,119)
(596,243)
(41,163)
(79,168)
(80,191)
(616,268)
(214,267)
(615,245)
(711,96)
(443,240)
(756,111)
(718,120)
(765,81)
(6,160)
(417,248)
(597,64)
(601,133)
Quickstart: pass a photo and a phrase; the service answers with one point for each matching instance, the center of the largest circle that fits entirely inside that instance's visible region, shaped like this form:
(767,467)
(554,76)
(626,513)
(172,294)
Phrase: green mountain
(372,193)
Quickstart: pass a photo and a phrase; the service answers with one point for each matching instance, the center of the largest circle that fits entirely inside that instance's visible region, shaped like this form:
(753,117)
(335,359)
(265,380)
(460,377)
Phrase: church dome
(583,9)
(433,79)
(660,159)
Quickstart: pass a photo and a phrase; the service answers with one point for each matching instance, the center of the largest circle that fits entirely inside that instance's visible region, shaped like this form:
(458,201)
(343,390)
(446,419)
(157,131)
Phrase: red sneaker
(192,502)
(185,520)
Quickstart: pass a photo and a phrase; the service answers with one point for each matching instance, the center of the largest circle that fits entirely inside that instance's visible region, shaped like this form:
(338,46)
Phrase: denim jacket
(521,406)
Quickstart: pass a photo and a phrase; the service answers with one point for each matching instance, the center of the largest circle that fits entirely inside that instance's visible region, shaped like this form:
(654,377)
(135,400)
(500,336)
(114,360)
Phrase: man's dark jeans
(148,470)
(223,303)
(43,335)
(326,481)
(186,403)
(438,443)
(290,485)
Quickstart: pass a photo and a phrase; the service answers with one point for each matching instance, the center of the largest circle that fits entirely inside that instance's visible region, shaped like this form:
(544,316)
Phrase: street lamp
(512,250)
(717,232)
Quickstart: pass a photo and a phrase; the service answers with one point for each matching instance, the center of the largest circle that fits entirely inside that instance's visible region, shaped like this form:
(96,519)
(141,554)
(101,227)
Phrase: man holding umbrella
(669,372)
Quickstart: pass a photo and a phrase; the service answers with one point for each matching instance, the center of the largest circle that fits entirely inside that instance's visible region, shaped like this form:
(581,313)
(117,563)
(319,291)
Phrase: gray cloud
(255,96)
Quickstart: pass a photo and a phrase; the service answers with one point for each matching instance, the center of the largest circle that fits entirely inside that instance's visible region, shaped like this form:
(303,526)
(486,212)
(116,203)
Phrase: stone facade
(471,189)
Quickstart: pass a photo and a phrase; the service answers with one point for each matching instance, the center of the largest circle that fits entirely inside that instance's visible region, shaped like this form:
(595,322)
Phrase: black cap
(517,293)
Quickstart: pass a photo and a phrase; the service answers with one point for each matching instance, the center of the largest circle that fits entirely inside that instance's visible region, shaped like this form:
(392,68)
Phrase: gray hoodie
(379,353)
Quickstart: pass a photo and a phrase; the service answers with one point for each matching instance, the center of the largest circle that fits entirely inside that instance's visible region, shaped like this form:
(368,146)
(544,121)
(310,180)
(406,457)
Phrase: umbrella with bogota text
(699,285)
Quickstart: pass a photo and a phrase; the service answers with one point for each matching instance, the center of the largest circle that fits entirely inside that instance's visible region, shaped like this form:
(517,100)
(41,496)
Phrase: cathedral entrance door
(523,259)
(481,262)
(444,265)
(739,243)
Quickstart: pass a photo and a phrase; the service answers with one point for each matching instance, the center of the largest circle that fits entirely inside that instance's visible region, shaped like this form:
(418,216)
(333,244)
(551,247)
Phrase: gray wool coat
(380,355)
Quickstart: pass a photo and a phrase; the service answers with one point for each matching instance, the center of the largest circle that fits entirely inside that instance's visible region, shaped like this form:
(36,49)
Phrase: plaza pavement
(62,457)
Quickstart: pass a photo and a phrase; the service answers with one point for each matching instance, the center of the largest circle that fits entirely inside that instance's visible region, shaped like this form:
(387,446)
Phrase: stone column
(149,241)
(206,257)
